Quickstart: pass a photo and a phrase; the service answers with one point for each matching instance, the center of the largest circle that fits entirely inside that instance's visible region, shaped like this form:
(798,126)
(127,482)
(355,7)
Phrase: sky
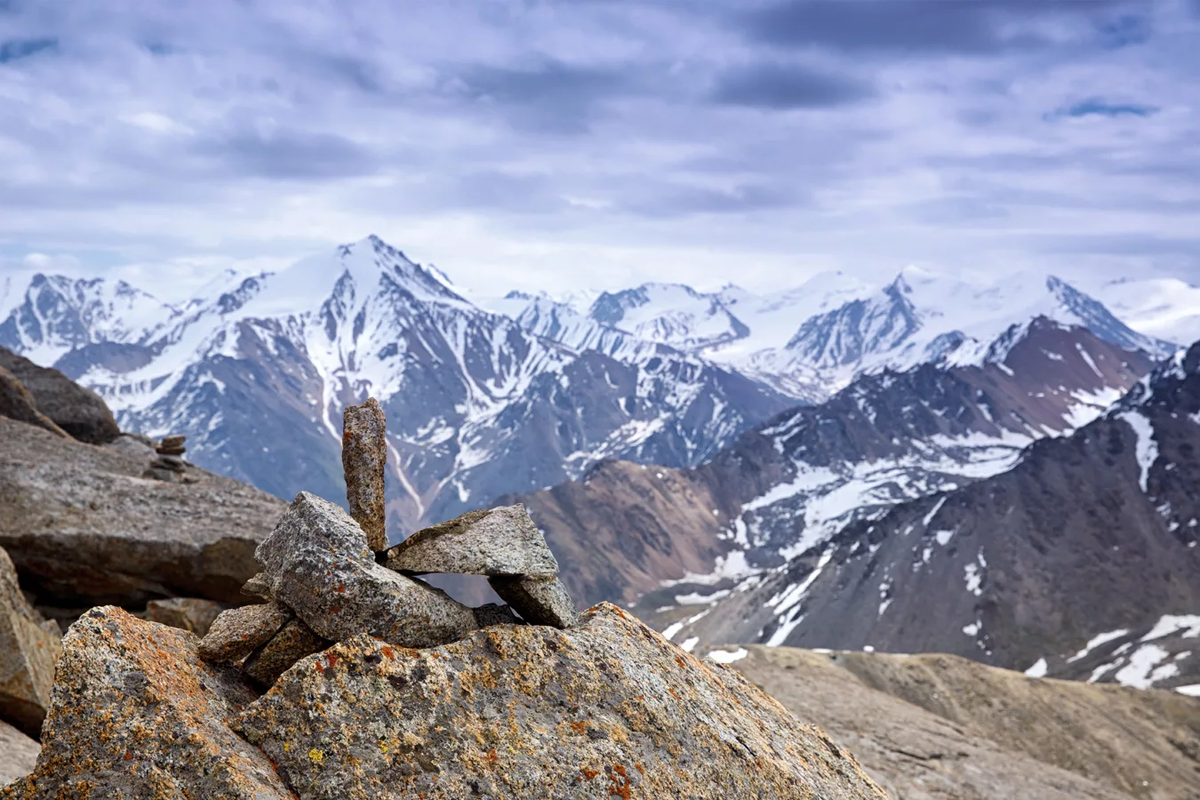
(566,144)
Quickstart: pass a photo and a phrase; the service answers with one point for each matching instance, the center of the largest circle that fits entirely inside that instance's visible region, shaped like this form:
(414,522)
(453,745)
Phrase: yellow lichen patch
(316,756)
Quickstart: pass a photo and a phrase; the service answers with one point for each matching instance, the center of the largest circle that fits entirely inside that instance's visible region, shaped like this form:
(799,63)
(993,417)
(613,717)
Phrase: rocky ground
(329,668)
(420,696)
(937,727)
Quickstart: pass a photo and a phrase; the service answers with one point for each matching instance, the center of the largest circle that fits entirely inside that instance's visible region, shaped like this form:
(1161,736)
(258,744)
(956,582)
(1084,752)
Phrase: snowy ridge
(813,340)
(478,404)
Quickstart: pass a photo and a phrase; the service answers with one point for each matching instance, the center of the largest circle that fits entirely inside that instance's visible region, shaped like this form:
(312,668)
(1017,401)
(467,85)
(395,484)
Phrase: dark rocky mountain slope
(1082,560)
(783,488)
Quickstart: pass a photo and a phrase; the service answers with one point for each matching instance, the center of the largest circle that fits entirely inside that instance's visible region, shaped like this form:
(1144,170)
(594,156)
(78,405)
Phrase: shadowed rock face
(606,709)
(78,411)
(28,647)
(137,714)
(17,403)
(84,527)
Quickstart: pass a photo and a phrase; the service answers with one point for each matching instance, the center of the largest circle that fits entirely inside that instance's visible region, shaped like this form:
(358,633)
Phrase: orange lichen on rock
(456,740)
(136,682)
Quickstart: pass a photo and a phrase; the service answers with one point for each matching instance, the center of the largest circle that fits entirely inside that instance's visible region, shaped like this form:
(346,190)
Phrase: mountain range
(805,469)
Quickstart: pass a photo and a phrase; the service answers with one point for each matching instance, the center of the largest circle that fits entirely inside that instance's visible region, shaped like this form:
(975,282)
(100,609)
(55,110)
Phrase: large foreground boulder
(606,709)
(137,714)
(29,646)
(78,411)
(85,528)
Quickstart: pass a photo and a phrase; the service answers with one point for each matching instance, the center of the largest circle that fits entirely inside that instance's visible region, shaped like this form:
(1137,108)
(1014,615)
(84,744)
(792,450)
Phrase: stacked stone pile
(169,465)
(322,580)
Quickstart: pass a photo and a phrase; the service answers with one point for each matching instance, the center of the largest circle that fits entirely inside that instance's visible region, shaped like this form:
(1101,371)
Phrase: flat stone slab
(364,461)
(238,632)
(85,528)
(317,562)
(497,541)
(540,601)
(606,709)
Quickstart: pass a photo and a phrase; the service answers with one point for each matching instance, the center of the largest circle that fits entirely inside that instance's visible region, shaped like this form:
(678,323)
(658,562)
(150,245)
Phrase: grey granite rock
(29,646)
(238,632)
(497,541)
(541,601)
(364,461)
(317,562)
(257,586)
(294,641)
(495,614)
(137,714)
(85,528)
(606,709)
(186,613)
(18,754)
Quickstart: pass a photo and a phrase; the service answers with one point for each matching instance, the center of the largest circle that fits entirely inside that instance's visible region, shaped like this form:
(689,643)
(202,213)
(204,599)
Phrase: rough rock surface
(187,613)
(293,642)
(18,754)
(257,586)
(238,632)
(29,646)
(137,714)
(606,709)
(497,541)
(78,411)
(317,562)
(83,526)
(132,446)
(17,403)
(494,614)
(541,601)
(938,727)
(364,461)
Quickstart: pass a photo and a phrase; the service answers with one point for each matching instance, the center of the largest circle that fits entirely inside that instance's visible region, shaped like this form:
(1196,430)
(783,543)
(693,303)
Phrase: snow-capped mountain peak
(56,314)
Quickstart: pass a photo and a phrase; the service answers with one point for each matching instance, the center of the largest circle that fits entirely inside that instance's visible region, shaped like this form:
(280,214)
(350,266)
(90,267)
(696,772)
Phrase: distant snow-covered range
(814,340)
(527,391)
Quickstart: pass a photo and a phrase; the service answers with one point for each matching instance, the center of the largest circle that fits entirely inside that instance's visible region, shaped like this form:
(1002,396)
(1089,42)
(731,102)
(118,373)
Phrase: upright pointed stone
(364,459)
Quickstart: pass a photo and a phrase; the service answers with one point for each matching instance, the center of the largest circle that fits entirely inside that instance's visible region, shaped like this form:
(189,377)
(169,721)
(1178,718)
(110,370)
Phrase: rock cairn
(323,580)
(169,465)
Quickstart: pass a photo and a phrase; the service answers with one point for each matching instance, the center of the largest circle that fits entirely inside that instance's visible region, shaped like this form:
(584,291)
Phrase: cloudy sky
(555,144)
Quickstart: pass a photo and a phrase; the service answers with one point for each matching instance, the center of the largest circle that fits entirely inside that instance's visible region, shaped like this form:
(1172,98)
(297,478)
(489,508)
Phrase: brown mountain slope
(939,727)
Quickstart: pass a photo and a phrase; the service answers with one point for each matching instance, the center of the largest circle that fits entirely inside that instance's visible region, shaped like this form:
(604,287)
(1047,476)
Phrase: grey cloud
(1095,106)
(907,26)
(552,95)
(16,49)
(288,154)
(785,87)
(676,200)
